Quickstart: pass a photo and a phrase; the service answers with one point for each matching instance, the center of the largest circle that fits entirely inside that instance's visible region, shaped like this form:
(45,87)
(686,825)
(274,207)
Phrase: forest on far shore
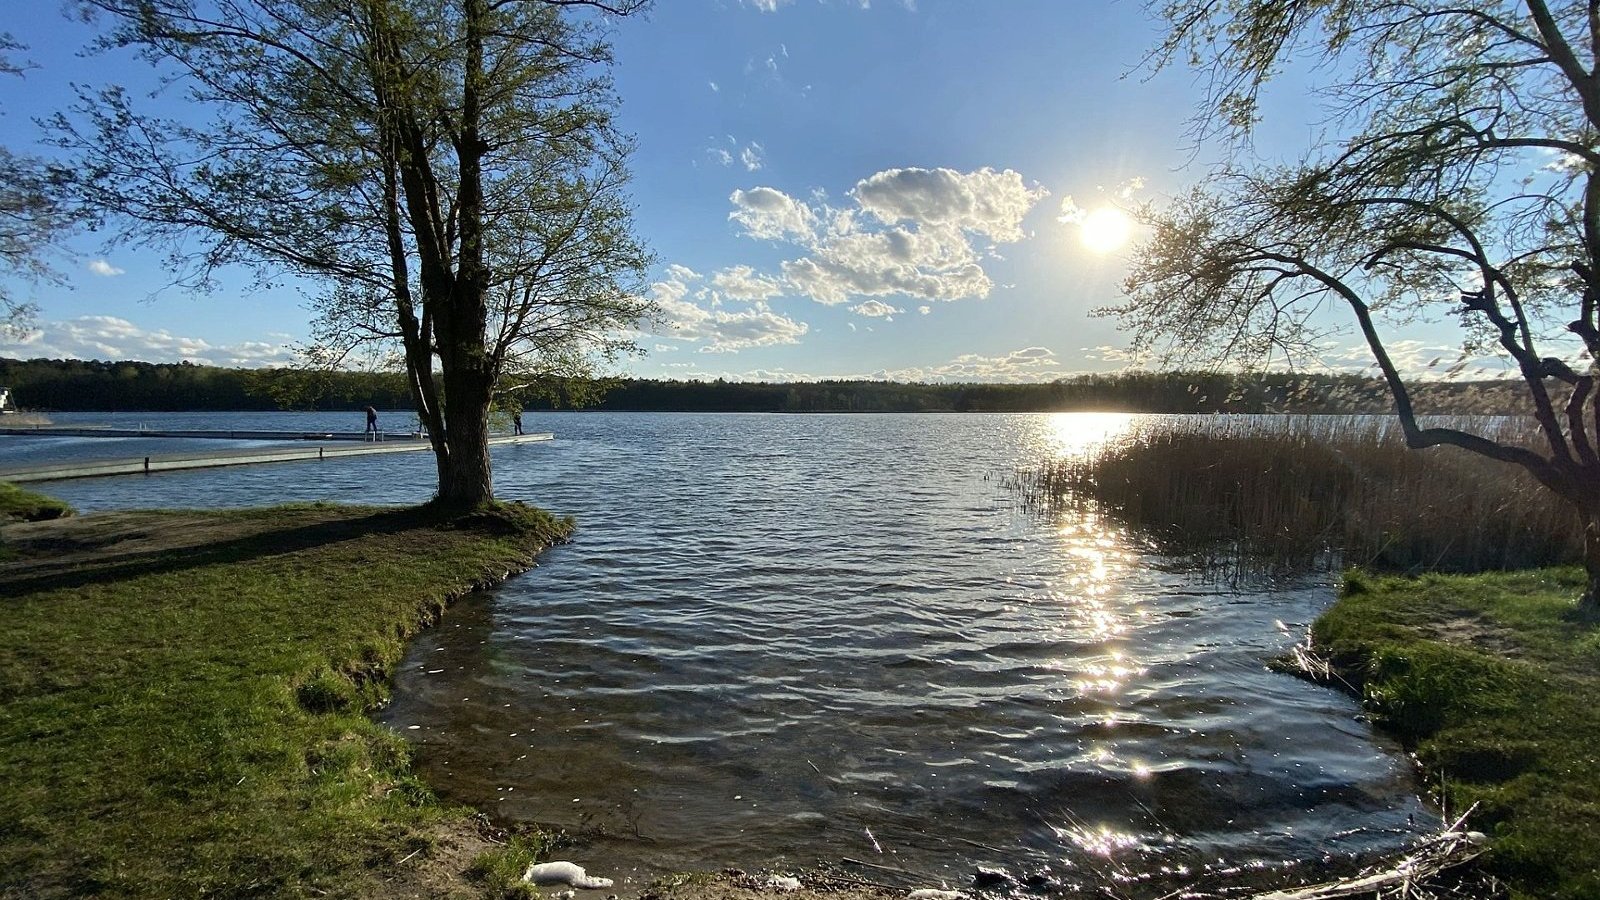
(79,385)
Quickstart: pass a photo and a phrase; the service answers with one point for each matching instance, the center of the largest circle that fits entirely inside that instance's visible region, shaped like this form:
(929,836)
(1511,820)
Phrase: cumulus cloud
(770,214)
(985,202)
(745,283)
(110,338)
(1027,365)
(1420,360)
(928,264)
(690,309)
(911,233)
(876,309)
(104,269)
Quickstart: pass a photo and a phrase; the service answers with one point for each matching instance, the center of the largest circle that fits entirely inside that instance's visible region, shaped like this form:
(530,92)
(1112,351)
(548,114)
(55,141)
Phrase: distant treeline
(48,384)
(1174,392)
(79,385)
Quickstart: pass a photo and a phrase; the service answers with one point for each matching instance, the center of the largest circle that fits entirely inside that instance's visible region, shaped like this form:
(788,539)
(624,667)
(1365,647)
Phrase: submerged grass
(1492,682)
(1293,490)
(182,696)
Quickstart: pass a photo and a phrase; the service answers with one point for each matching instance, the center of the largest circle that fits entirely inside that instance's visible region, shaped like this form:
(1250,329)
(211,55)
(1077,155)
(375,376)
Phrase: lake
(785,641)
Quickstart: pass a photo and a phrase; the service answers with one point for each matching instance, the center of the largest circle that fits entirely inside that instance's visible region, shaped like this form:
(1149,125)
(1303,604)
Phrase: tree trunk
(465,479)
(1589,602)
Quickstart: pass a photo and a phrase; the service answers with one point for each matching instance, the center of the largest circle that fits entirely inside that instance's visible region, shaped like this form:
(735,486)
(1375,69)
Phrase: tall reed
(1298,490)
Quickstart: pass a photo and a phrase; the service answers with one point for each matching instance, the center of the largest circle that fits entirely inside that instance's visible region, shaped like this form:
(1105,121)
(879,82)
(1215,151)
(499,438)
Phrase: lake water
(784,641)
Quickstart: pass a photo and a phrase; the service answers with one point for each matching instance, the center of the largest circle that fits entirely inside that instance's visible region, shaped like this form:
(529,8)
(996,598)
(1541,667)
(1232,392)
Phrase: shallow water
(789,640)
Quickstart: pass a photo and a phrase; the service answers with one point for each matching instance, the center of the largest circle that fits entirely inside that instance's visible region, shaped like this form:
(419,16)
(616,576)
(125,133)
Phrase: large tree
(448,170)
(1460,182)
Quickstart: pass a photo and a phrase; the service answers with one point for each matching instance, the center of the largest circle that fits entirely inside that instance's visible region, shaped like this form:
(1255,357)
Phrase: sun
(1106,229)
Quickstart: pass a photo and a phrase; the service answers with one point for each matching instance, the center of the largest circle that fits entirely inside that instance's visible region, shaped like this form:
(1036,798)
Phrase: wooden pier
(345,444)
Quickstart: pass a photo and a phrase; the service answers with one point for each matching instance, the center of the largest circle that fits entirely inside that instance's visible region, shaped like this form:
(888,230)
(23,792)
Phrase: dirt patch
(733,884)
(439,871)
(1472,631)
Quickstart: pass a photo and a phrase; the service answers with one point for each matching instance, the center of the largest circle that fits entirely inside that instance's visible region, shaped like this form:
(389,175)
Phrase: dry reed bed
(1292,491)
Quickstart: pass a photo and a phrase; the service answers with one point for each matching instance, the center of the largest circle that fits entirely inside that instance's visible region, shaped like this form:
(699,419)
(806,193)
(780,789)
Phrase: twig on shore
(1407,879)
(852,861)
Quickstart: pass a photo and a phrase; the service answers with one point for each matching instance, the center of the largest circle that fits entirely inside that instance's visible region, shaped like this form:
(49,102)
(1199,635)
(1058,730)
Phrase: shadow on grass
(77,570)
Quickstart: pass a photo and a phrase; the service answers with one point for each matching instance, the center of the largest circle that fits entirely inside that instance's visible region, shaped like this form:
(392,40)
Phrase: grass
(1493,684)
(1298,489)
(18,505)
(182,697)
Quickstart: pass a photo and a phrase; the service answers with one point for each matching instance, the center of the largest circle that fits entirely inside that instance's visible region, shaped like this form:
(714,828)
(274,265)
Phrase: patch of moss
(1492,681)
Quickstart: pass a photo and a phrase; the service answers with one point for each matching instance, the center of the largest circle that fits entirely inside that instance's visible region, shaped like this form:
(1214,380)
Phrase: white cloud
(112,339)
(928,264)
(745,283)
(1028,365)
(775,5)
(714,88)
(911,233)
(1071,212)
(1420,360)
(1416,360)
(876,309)
(104,269)
(924,309)
(771,214)
(680,314)
(985,202)
(751,157)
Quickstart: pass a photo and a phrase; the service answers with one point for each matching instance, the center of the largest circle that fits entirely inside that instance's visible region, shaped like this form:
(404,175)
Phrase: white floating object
(783,884)
(570,874)
(933,894)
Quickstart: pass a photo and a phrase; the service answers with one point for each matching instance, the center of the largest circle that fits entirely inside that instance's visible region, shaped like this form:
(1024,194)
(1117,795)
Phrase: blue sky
(833,188)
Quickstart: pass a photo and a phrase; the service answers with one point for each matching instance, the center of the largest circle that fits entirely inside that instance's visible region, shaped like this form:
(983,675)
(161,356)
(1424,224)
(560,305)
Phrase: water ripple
(773,633)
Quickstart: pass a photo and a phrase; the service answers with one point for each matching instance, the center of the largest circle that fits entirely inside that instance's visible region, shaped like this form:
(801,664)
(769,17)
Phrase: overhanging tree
(32,214)
(1464,183)
(447,169)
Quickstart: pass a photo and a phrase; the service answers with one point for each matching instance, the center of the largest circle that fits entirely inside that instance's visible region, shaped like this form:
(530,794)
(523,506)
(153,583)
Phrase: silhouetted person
(516,421)
(373,434)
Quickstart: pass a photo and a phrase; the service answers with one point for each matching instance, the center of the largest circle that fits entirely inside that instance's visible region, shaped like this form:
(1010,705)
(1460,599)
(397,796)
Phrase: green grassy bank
(18,505)
(1497,688)
(182,699)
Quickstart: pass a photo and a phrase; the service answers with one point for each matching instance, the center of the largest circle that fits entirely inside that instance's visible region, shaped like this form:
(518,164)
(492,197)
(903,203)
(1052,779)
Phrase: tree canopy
(33,216)
(447,170)
(1460,184)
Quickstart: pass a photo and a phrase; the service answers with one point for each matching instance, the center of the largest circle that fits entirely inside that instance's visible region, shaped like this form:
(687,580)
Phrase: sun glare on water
(1105,229)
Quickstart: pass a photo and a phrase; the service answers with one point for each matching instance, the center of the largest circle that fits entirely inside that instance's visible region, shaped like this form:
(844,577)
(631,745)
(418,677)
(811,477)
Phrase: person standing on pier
(373,434)
(516,420)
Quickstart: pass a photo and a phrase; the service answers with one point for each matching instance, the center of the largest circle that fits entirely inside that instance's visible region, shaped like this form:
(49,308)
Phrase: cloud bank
(113,339)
